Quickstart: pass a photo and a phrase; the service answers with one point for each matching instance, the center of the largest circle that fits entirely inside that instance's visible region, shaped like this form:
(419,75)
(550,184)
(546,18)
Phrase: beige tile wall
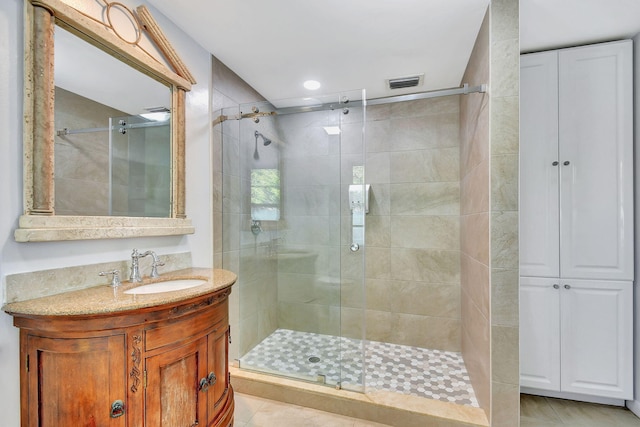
(412,274)
(475,221)
(505,83)
(489,174)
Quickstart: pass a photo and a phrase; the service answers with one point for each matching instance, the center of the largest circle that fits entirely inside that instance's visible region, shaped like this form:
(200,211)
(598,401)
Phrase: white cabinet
(576,336)
(540,333)
(576,140)
(539,191)
(576,220)
(596,140)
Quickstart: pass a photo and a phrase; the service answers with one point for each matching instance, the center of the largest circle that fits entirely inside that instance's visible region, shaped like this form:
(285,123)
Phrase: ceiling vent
(404,82)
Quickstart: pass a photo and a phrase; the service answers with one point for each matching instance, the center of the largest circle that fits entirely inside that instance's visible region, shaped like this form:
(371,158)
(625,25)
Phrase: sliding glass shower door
(299,197)
(140,166)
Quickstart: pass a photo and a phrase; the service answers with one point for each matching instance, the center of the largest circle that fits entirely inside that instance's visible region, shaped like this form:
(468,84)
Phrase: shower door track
(462,90)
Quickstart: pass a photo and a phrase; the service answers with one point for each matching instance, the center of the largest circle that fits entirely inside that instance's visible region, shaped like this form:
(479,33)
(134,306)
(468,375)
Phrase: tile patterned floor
(433,374)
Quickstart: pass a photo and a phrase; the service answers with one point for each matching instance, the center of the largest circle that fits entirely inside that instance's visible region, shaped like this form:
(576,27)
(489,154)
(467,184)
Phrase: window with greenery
(265,194)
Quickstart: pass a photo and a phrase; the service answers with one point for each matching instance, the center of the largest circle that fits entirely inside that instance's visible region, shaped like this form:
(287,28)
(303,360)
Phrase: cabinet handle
(556,286)
(212,379)
(566,163)
(204,385)
(555,163)
(117,409)
(567,287)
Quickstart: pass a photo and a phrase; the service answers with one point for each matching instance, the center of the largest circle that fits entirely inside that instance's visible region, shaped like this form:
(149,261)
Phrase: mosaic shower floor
(433,374)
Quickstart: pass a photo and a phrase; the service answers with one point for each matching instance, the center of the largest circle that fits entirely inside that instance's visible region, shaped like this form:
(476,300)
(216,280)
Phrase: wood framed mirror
(128,45)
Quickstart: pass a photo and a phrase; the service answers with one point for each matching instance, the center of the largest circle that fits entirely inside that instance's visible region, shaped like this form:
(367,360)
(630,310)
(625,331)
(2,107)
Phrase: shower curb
(380,406)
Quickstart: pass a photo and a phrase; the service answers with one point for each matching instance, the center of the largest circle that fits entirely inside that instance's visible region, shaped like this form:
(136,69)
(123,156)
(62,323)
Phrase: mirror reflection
(113,135)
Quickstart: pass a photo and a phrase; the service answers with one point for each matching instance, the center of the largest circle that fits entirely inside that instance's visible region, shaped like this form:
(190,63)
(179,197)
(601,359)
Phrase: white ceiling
(353,44)
(344,44)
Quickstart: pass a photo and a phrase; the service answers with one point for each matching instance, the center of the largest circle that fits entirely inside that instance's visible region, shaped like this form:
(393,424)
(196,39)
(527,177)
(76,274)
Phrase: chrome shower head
(265,141)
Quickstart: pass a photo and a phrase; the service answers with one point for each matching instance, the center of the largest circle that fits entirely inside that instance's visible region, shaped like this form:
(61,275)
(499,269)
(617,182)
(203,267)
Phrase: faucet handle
(154,268)
(115,279)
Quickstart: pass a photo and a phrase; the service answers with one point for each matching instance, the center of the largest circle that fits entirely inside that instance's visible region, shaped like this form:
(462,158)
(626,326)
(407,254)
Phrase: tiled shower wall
(505,90)
(412,241)
(412,237)
(489,173)
(474,220)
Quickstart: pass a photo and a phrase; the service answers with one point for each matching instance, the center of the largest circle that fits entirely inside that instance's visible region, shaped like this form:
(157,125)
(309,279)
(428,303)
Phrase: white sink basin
(166,286)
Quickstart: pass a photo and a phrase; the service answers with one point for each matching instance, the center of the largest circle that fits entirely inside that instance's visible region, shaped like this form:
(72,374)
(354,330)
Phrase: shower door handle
(355,247)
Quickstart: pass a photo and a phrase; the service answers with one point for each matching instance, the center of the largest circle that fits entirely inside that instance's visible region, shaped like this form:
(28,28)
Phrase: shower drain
(314,359)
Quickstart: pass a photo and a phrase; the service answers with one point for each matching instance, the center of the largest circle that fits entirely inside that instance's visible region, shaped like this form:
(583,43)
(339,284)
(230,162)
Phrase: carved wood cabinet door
(75,382)
(177,386)
(218,361)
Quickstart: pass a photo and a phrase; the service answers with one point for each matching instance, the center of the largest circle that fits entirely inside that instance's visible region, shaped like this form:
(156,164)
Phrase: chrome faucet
(155,264)
(135,268)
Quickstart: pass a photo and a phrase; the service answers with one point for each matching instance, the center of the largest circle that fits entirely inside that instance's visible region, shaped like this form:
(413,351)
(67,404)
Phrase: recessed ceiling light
(157,117)
(311,84)
(332,130)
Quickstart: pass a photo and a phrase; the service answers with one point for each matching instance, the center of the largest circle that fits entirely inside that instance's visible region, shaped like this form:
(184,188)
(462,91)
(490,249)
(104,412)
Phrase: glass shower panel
(140,156)
(294,172)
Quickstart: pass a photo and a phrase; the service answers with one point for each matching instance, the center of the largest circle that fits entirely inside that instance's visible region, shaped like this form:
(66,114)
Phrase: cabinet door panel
(539,333)
(172,394)
(595,133)
(73,382)
(218,351)
(597,338)
(539,228)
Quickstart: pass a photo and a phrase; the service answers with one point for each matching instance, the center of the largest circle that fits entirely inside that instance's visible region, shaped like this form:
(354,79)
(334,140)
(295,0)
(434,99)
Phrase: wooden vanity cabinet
(161,366)
(72,382)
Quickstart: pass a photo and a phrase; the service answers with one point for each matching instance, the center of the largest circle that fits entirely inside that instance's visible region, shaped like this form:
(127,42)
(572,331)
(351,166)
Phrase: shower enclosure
(289,170)
(349,246)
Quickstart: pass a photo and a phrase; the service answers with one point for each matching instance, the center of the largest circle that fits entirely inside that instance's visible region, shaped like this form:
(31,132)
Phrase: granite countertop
(104,299)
